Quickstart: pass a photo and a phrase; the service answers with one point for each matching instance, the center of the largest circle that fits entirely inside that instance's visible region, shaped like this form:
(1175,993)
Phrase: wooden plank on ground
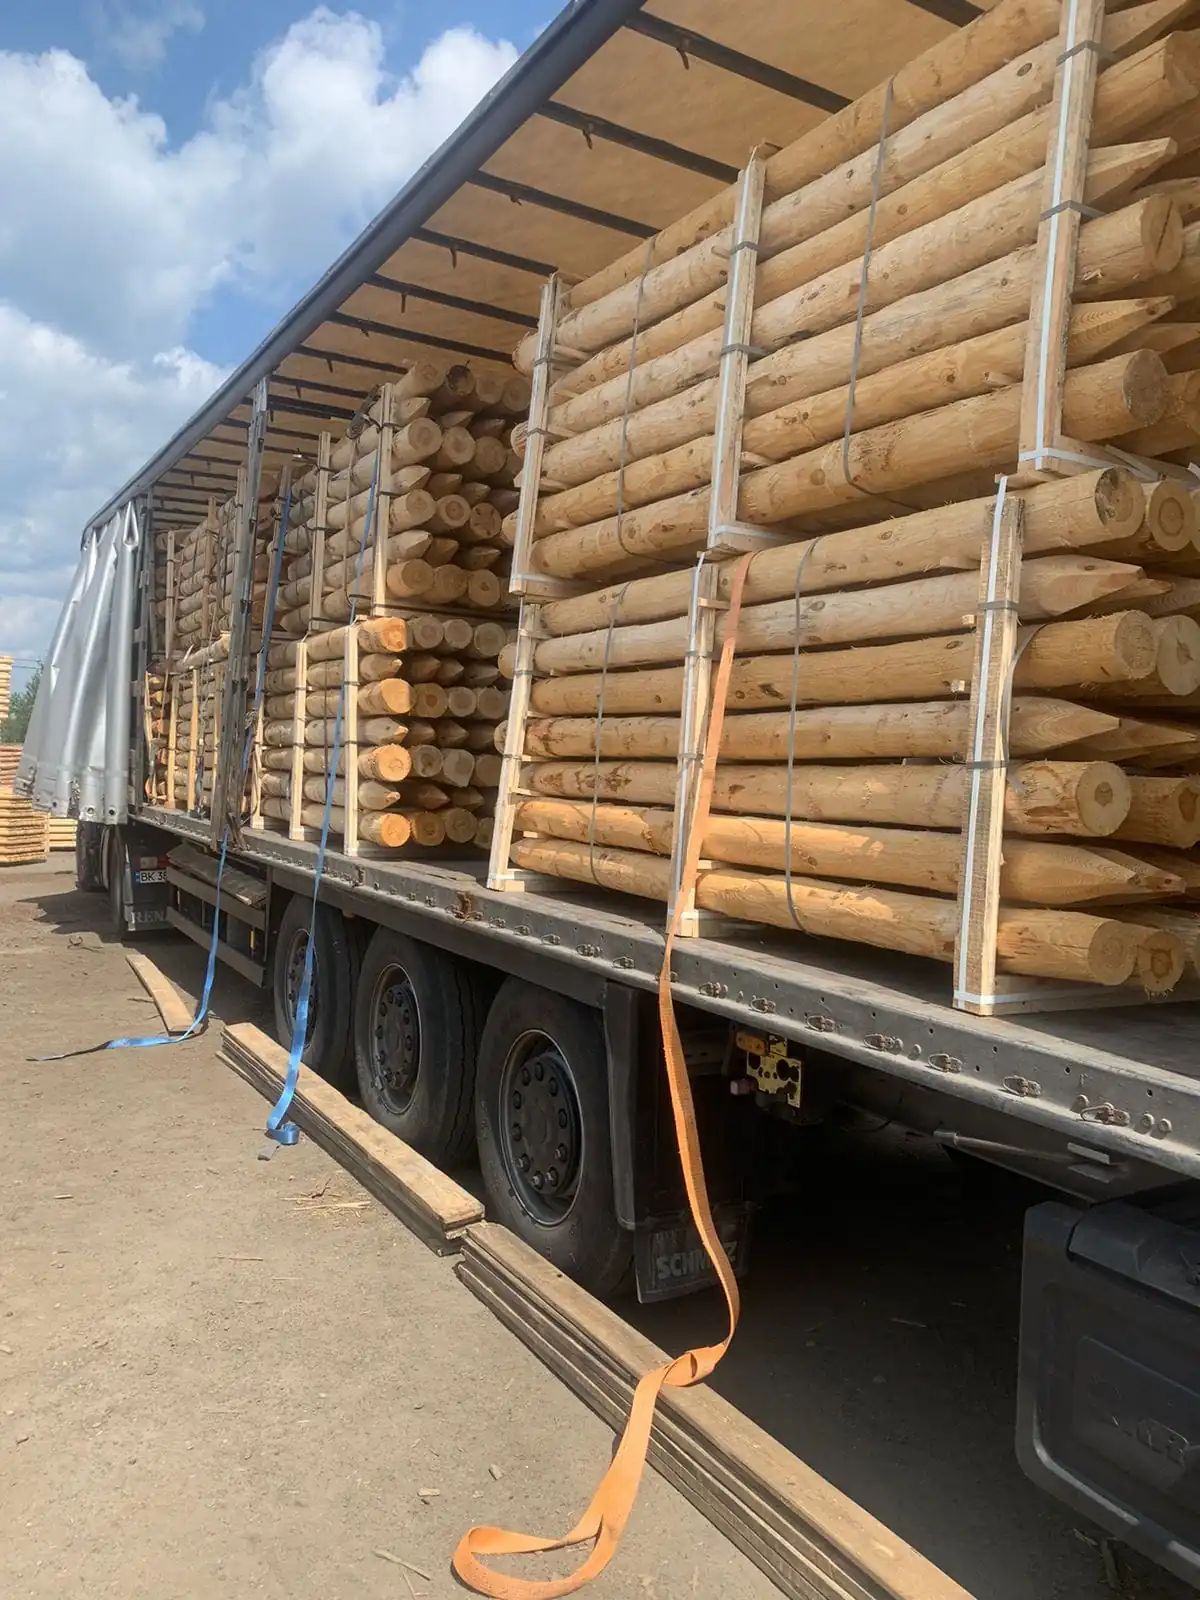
(433,1206)
(175,1011)
(812,1541)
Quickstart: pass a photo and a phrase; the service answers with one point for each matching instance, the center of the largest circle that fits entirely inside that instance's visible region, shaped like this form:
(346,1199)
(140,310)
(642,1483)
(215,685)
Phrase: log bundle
(896,298)
(391,723)
(434,509)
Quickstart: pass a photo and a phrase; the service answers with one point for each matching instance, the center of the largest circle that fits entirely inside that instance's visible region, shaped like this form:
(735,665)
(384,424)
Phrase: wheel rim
(395,1052)
(541,1128)
(292,981)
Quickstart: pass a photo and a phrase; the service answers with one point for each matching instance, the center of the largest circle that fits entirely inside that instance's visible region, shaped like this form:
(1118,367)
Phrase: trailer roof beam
(483,252)
(690,44)
(525,194)
(478,308)
(592,127)
(385,330)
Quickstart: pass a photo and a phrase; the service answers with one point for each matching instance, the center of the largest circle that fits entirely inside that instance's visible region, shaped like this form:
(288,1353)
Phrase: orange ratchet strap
(604,1520)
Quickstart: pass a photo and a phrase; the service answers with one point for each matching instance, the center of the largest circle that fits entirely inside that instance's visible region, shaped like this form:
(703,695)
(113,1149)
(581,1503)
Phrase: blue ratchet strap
(199,1022)
(278,1127)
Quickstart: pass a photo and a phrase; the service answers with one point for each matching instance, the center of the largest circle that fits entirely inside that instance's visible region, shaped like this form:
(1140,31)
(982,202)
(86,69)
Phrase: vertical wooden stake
(194,740)
(1057,243)
(171,693)
(500,872)
(723,503)
(299,719)
(316,589)
(350,739)
(383,501)
(535,443)
(987,758)
(172,602)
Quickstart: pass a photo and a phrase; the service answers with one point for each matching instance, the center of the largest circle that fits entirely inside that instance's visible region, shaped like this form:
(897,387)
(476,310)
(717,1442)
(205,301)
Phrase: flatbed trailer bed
(1058,1070)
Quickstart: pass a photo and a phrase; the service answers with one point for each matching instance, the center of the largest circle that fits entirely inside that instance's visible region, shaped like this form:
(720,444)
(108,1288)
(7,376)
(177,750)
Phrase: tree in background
(14,727)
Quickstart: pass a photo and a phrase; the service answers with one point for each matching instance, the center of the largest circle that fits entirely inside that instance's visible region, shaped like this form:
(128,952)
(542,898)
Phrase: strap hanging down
(603,1523)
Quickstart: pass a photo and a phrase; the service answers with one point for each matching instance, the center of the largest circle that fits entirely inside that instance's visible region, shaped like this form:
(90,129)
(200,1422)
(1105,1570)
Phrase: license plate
(154,875)
(671,1260)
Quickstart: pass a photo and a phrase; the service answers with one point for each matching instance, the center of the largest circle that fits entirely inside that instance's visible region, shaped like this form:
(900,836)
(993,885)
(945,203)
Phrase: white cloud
(139,37)
(112,237)
(72,424)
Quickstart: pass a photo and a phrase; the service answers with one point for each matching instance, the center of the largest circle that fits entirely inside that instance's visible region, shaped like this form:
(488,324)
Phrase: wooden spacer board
(433,1206)
(809,1538)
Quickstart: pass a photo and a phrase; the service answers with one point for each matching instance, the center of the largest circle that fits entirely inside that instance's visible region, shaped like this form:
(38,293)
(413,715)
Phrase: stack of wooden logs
(419,735)
(441,499)
(884,395)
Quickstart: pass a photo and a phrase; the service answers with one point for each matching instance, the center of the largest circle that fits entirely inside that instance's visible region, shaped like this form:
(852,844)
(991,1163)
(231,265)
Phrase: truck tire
(417,1024)
(329,1047)
(89,858)
(541,1120)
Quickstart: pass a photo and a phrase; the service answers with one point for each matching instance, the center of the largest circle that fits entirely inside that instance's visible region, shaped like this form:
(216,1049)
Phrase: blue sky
(173,175)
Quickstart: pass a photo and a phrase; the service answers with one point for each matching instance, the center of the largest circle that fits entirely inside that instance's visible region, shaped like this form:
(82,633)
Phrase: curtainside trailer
(818,586)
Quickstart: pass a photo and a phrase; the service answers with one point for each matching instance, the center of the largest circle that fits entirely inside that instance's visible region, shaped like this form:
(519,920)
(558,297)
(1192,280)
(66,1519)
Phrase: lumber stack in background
(6,666)
(24,834)
(880,407)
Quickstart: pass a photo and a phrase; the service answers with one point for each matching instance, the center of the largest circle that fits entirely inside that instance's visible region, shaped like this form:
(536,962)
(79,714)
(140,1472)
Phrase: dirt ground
(220,1375)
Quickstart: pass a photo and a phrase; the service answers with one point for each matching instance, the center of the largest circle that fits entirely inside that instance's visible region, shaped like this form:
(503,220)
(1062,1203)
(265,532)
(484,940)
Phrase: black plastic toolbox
(1108,1411)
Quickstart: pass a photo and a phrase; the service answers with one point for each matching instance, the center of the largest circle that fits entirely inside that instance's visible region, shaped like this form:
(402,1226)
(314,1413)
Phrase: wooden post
(987,759)
(1062,215)
(172,601)
(523,580)
(725,536)
(350,729)
(227,801)
(256,773)
(207,593)
(381,511)
(170,692)
(193,741)
(316,589)
(501,873)
(299,718)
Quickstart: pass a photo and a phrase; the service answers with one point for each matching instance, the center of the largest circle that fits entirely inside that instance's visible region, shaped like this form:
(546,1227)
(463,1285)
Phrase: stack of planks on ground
(411,703)
(887,339)
(435,505)
(24,834)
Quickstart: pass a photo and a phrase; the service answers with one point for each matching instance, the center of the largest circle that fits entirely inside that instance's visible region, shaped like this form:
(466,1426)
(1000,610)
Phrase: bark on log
(938,729)
(1097,402)
(1121,646)
(1041,873)
(1072,513)
(1083,799)
(960,371)
(1162,811)
(1115,253)
(1036,943)
(1050,586)
(973,237)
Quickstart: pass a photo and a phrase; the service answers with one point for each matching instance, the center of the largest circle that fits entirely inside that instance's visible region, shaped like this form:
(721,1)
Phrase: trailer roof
(620,118)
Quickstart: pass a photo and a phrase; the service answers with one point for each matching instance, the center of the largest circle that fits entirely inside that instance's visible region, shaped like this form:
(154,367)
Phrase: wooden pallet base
(431,1205)
(809,1538)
